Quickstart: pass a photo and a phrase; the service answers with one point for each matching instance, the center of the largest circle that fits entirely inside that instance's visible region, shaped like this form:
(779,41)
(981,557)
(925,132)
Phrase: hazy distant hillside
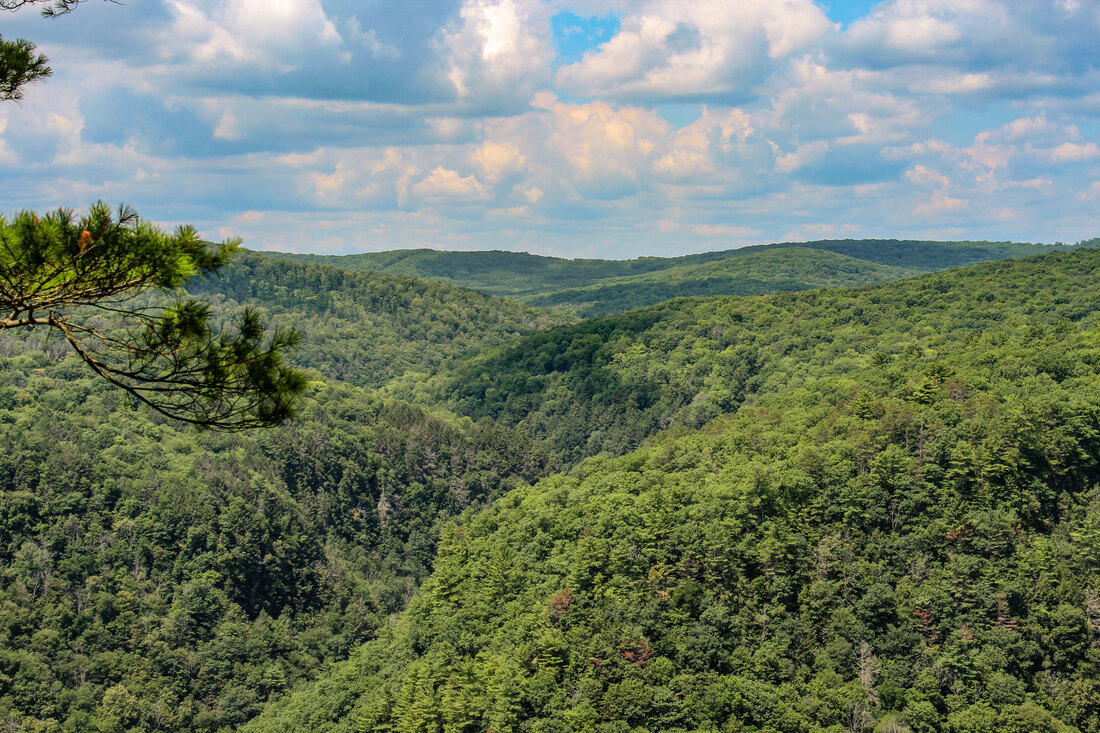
(515,274)
(549,280)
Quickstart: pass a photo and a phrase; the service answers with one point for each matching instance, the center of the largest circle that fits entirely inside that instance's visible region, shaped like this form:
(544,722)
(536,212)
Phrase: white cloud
(725,231)
(369,38)
(1074,153)
(813,102)
(1091,193)
(417,127)
(442,184)
(497,160)
(803,155)
(922,176)
(594,148)
(496,50)
(939,204)
(1030,128)
(988,153)
(272,33)
(933,31)
(706,48)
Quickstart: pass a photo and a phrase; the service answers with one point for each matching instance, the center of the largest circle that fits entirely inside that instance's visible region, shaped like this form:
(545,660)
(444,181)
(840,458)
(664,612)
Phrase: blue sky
(580,128)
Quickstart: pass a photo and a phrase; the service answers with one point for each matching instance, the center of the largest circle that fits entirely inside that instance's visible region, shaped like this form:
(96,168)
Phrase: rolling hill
(896,530)
(865,507)
(605,384)
(593,287)
(366,328)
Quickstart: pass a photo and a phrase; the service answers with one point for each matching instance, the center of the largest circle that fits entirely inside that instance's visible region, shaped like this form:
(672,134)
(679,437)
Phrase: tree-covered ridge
(904,537)
(535,279)
(765,270)
(366,328)
(157,578)
(605,384)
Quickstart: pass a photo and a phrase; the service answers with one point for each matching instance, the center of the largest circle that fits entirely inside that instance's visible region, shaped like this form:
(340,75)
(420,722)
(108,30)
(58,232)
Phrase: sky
(575,128)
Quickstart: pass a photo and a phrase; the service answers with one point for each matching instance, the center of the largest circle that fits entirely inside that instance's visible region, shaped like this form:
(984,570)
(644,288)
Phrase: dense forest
(869,508)
(154,577)
(899,533)
(367,328)
(604,384)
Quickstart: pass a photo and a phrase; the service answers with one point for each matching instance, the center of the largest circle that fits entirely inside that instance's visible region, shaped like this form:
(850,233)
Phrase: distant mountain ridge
(590,287)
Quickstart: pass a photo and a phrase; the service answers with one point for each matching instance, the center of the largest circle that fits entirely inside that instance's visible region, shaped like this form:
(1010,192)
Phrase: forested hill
(605,384)
(153,577)
(364,327)
(589,287)
(847,505)
(900,533)
(765,270)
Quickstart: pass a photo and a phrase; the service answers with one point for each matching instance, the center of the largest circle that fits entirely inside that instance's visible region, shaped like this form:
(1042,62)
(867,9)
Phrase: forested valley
(858,503)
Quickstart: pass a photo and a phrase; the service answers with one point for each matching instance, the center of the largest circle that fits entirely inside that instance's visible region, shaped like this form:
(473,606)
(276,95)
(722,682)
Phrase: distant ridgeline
(868,508)
(595,287)
(897,530)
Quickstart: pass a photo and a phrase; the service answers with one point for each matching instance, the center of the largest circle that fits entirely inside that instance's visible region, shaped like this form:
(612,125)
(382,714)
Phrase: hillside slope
(902,533)
(366,328)
(605,384)
(157,577)
(154,577)
(761,271)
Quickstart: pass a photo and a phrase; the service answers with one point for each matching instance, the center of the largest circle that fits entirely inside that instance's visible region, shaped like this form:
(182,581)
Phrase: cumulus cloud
(443,184)
(697,122)
(496,50)
(702,49)
(1074,152)
(498,160)
(274,35)
(977,48)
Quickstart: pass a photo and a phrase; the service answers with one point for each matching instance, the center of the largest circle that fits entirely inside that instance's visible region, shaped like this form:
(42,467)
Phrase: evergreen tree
(85,277)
